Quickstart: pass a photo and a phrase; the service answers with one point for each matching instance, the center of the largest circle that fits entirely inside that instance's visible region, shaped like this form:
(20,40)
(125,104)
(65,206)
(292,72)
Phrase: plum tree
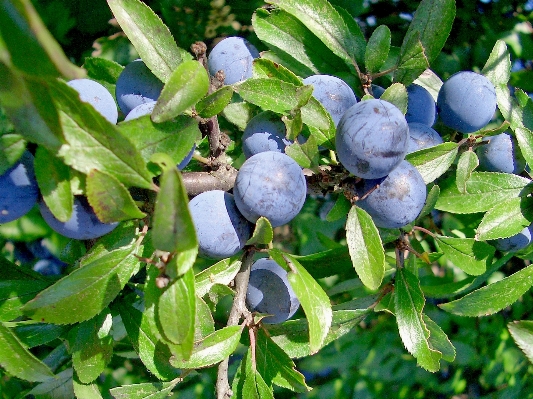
(97,95)
(83,223)
(264,132)
(270,292)
(221,229)
(500,154)
(270,184)
(136,85)
(466,101)
(398,198)
(421,107)
(233,55)
(372,138)
(422,136)
(18,189)
(333,93)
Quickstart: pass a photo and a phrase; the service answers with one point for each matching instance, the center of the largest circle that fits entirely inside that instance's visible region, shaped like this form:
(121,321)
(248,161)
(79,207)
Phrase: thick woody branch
(221,179)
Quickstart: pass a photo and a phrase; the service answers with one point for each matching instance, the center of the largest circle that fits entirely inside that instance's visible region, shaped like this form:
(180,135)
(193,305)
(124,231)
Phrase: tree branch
(221,179)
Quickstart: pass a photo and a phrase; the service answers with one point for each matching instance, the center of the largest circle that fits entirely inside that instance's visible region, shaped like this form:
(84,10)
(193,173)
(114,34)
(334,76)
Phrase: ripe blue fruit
(97,95)
(333,93)
(136,85)
(82,225)
(372,138)
(18,189)
(49,266)
(422,136)
(233,55)
(466,101)
(264,132)
(269,292)
(399,198)
(270,184)
(220,228)
(514,243)
(421,107)
(500,155)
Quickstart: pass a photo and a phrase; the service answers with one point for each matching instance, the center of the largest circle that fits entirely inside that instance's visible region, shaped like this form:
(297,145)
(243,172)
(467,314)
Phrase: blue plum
(466,102)
(399,198)
(515,243)
(500,155)
(333,93)
(49,266)
(18,189)
(264,132)
(422,136)
(97,95)
(377,91)
(270,184)
(136,85)
(233,55)
(421,107)
(82,225)
(269,292)
(372,138)
(221,229)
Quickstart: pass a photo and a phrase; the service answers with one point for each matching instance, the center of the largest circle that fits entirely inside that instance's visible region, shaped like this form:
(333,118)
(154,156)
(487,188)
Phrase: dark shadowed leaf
(59,387)
(15,293)
(327,263)
(438,340)
(215,102)
(12,146)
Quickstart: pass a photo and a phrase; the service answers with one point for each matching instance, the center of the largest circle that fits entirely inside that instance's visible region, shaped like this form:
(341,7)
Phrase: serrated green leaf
(264,68)
(147,390)
(433,162)
(412,63)
(506,219)
(524,136)
(111,201)
(83,293)
(36,334)
(263,233)
(222,272)
(377,48)
(306,154)
(215,102)
(431,200)
(93,347)
(254,386)
(409,303)
(484,190)
(498,66)
(438,340)
(86,391)
(396,94)
(15,293)
(150,37)
(469,255)
(18,361)
(494,297)
(59,387)
(102,70)
(366,249)
(522,333)
(173,229)
(12,146)
(53,177)
(187,84)
(340,209)
(212,349)
(468,161)
(176,310)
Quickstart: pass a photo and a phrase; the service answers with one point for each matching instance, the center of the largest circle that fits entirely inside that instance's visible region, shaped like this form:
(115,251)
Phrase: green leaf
(484,190)
(53,177)
(59,387)
(86,291)
(498,66)
(377,49)
(93,347)
(12,146)
(187,84)
(468,161)
(222,272)
(215,102)
(494,297)
(306,154)
(94,143)
(86,391)
(469,255)
(412,63)
(18,361)
(409,303)
(150,37)
(147,390)
(15,293)
(366,249)
(506,219)
(313,299)
(111,201)
(433,162)
(32,48)
(340,209)
(177,312)
(431,200)
(431,82)
(254,387)
(173,229)
(524,136)
(438,340)
(152,351)
(102,70)
(327,263)
(263,233)
(35,334)
(265,68)
(396,94)
(522,333)
(212,349)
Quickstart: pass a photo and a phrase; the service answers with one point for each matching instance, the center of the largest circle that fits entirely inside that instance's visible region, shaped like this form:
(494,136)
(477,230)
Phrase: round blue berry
(233,55)
(97,95)
(264,132)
